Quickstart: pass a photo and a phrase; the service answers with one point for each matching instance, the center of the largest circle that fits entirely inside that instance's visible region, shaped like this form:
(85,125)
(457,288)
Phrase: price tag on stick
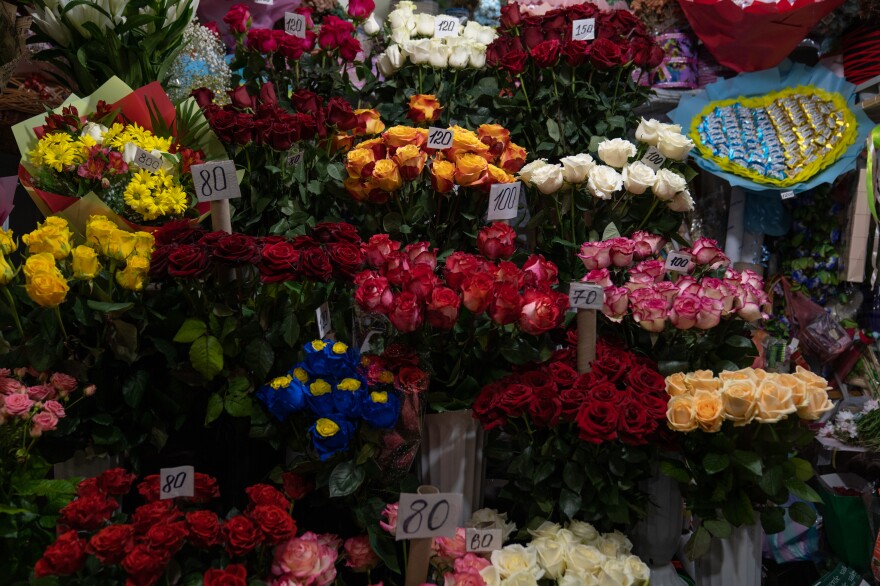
(428,515)
(583,29)
(445,26)
(504,201)
(586,296)
(653,158)
(439,138)
(295,24)
(147,160)
(483,539)
(215,180)
(176,482)
(294,158)
(323,317)
(787,195)
(679,262)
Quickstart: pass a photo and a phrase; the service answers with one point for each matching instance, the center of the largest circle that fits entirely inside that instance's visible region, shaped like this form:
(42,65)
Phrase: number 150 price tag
(583,29)
(428,515)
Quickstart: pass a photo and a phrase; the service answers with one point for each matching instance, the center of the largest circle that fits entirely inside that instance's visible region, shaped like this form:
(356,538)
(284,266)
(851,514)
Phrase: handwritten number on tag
(176,482)
(583,29)
(503,201)
(295,24)
(439,138)
(482,539)
(586,296)
(678,262)
(428,515)
(445,26)
(215,180)
(147,160)
(787,195)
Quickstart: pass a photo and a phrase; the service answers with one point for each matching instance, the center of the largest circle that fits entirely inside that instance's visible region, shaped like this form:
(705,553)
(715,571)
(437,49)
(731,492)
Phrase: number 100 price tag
(678,262)
(428,515)
(439,138)
(215,180)
(176,482)
(503,201)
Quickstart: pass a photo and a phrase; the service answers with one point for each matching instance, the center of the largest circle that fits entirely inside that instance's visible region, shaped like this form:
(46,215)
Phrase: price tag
(324,325)
(265,2)
(428,515)
(294,158)
(175,482)
(482,539)
(586,296)
(147,160)
(583,29)
(215,180)
(653,158)
(503,201)
(439,138)
(295,24)
(787,195)
(678,262)
(445,26)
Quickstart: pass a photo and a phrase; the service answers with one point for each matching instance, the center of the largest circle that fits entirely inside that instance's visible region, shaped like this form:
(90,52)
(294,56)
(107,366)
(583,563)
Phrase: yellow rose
(677,384)
(134,274)
(815,405)
(357,160)
(411,160)
(739,401)
(681,413)
(143,244)
(797,386)
(709,410)
(326,427)
(442,176)
(7,273)
(98,232)
(774,402)
(386,175)
(52,237)
(43,262)
(398,136)
(464,140)
(7,242)
(47,289)
(469,168)
(370,120)
(85,262)
(423,108)
(120,245)
(702,380)
(499,175)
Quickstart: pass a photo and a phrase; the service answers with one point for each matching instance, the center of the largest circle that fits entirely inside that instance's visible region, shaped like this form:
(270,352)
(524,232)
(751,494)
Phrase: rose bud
(497,241)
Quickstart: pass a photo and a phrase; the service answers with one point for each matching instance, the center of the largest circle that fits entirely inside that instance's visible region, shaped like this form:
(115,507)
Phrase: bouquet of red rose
(575,446)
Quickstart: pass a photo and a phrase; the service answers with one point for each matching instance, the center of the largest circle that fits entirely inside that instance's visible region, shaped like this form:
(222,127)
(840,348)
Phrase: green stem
(651,211)
(522,85)
(420,79)
(13,310)
(60,321)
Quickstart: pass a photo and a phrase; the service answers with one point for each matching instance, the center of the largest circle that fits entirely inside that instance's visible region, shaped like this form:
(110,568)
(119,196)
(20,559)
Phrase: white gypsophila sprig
(201,63)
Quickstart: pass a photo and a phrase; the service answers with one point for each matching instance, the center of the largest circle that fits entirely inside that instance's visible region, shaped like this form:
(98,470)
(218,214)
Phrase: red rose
(654,404)
(486,406)
(267,95)
(542,311)
(361,9)
(297,486)
(546,54)
(238,19)
(333,31)
(605,392)
(540,381)
(635,424)
(514,399)
(506,304)
(88,486)
(374,294)
(539,271)
(571,400)
(349,49)
(242,536)
(64,557)
(263,494)
(274,522)
(476,292)
(459,265)
(406,313)
(241,99)
(340,114)
(203,528)
(623,22)
(305,242)
(605,54)
(306,101)
(412,380)
(87,513)
(396,267)
(510,16)
(556,21)
(262,40)
(644,379)
(532,36)
(314,264)
(188,261)
(588,380)
(563,374)
(597,422)
(335,232)
(497,241)
(545,408)
(421,280)
(203,96)
(293,47)
(506,271)
(168,537)
(233,575)
(421,253)
(145,516)
(443,308)
(237,249)
(613,365)
(515,61)
(223,123)
(111,543)
(580,11)
(144,566)
(277,262)
(576,52)
(205,488)
(377,249)
(347,259)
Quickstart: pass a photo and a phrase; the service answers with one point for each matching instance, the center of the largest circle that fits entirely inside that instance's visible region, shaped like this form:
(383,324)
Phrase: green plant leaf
(573,475)
(238,404)
(803,470)
(383,547)
(206,356)
(214,409)
(699,543)
(738,509)
(800,489)
(191,330)
(715,463)
(802,513)
(719,528)
(748,460)
(610,232)
(345,478)
(773,520)
(570,503)
(134,387)
(771,481)
(552,129)
(675,471)
(109,307)
(259,357)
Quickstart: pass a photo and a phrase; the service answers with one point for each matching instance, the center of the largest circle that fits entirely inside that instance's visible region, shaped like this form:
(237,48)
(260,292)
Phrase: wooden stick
(586,349)
(221,218)
(420,551)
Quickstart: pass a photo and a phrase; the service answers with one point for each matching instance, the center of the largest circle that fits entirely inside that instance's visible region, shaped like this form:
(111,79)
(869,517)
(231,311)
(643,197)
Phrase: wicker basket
(21,25)
(17,97)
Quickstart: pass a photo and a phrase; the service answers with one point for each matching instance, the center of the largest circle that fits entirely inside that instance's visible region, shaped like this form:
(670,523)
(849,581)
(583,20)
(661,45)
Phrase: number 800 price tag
(427,515)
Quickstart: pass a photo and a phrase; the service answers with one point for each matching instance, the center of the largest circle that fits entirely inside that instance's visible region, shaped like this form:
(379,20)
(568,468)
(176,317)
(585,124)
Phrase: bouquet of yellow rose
(738,445)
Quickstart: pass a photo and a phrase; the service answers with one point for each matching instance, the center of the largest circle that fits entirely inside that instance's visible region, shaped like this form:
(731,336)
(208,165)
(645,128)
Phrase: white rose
(578,579)
(682,202)
(400,35)
(478,55)
(575,169)
(667,184)
(613,573)
(371,27)
(637,570)
(638,177)
(471,30)
(486,35)
(566,538)
(674,145)
(616,152)
(490,576)
(604,181)
(494,519)
(418,51)
(648,131)
(615,544)
(94,130)
(520,579)
(585,532)
(526,175)
(551,556)
(585,558)
(401,18)
(128,152)
(459,56)
(548,179)
(514,559)
(676,128)
(439,56)
(425,24)
(395,57)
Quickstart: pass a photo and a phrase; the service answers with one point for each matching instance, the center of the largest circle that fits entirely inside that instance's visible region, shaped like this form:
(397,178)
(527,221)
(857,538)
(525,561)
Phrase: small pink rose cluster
(642,291)
(37,404)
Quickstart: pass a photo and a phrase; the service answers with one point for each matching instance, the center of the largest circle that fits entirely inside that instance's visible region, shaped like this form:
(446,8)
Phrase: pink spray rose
(595,255)
(18,404)
(44,421)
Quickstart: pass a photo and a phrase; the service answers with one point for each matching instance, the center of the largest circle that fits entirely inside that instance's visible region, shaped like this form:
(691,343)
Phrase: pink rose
(55,408)
(621,251)
(710,313)
(646,244)
(377,249)
(648,269)
(471,563)
(390,522)
(360,555)
(238,18)
(9,386)
(451,548)
(595,255)
(750,310)
(476,292)
(685,311)
(44,421)
(706,252)
(463,579)
(752,278)
(41,392)
(688,284)
(616,302)
(374,294)
(306,559)
(421,253)
(649,311)
(720,290)
(539,271)
(63,383)
(542,311)
(396,267)
(406,313)
(667,290)
(599,277)
(18,404)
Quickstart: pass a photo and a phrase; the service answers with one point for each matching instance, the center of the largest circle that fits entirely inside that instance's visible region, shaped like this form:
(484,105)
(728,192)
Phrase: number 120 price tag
(175,482)
(503,201)
(295,24)
(439,138)
(428,515)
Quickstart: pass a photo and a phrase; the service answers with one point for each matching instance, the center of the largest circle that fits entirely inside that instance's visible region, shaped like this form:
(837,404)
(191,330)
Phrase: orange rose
(411,161)
(369,121)
(377,145)
(442,175)
(423,108)
(465,141)
(499,175)
(356,188)
(513,158)
(398,136)
(469,168)
(495,136)
(359,162)
(341,142)
(386,175)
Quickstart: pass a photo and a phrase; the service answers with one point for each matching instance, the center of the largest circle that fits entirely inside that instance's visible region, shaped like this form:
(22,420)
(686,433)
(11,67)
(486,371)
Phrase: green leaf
(190,331)
(675,471)
(109,307)
(748,460)
(803,470)
(290,329)
(134,387)
(715,463)
(383,547)
(738,509)
(259,357)
(335,172)
(800,489)
(552,129)
(699,543)
(345,479)
(719,528)
(206,356)
(573,476)
(610,232)
(238,404)
(570,502)
(773,520)
(771,481)
(214,409)
(802,513)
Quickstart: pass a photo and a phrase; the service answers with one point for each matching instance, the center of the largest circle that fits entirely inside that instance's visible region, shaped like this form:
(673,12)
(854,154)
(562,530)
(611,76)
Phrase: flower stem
(60,321)
(13,310)
(522,84)
(650,211)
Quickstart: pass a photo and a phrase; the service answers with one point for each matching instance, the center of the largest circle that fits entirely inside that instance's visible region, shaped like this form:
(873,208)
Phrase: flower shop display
(855,427)
(738,431)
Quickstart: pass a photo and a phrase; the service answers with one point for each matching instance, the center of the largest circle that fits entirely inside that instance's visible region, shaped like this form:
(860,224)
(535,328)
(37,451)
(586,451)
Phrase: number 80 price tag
(176,482)
(427,515)
(215,180)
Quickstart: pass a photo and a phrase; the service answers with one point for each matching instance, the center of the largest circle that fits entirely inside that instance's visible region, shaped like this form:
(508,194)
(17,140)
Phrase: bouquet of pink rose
(699,316)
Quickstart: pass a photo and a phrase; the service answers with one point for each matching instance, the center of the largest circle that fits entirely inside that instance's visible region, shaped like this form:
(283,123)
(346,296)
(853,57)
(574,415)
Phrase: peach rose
(681,413)
(709,410)
(774,402)
(739,401)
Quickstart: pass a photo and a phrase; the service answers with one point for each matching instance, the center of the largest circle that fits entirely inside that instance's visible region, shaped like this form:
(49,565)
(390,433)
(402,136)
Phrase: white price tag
(653,158)
(482,539)
(428,515)
(215,180)
(583,29)
(295,24)
(678,262)
(323,316)
(175,482)
(147,160)
(294,158)
(503,201)
(787,195)
(445,26)
(586,296)
(265,2)
(439,138)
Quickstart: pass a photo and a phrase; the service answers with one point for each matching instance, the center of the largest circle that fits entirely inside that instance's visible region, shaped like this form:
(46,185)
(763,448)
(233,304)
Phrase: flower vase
(735,561)
(656,539)
(452,457)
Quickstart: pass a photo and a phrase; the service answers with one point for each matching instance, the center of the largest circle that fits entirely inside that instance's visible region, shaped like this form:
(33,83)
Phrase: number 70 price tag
(427,515)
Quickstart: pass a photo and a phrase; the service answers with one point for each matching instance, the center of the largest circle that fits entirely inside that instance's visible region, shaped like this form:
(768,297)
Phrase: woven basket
(7,70)
(17,97)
